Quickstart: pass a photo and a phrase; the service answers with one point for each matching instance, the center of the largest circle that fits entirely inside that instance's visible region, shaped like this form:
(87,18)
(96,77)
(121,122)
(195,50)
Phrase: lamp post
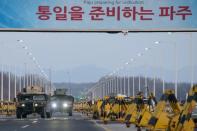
(14,81)
(175,64)
(139,88)
(191,61)
(30,55)
(133,85)
(2,75)
(154,81)
(9,84)
(145,75)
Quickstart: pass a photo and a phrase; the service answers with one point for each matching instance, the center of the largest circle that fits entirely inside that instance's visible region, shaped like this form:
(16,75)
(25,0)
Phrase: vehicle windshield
(39,97)
(62,98)
(32,97)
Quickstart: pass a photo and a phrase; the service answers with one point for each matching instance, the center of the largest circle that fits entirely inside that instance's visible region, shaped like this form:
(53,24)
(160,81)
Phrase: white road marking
(34,122)
(35,119)
(25,126)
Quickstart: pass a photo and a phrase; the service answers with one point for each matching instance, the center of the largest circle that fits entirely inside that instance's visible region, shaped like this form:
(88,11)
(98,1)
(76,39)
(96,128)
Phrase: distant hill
(91,73)
(82,74)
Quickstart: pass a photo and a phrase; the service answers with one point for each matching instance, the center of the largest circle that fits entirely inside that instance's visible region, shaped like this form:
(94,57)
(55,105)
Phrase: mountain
(80,74)
(184,74)
(91,73)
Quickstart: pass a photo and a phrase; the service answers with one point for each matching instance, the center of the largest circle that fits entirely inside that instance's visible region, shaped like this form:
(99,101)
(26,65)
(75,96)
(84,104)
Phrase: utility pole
(103,90)
(117,84)
(124,81)
(192,62)
(2,75)
(27,75)
(50,77)
(14,81)
(133,86)
(163,85)
(20,79)
(154,89)
(69,83)
(176,71)
(9,84)
(139,84)
(121,88)
(128,90)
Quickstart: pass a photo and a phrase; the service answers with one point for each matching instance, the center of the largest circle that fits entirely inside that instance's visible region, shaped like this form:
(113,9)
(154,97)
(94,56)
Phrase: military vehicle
(32,100)
(60,102)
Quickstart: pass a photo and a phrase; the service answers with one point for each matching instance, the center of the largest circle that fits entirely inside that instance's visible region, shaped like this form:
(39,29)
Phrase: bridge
(116,93)
(98,65)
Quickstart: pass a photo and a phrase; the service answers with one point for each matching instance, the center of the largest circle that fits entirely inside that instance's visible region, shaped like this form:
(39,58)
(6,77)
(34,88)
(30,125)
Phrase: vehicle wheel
(24,115)
(43,113)
(95,115)
(18,115)
(105,122)
(138,129)
(48,114)
(70,113)
(128,124)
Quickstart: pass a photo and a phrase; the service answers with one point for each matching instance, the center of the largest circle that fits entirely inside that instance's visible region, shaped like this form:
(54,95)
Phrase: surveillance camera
(125,32)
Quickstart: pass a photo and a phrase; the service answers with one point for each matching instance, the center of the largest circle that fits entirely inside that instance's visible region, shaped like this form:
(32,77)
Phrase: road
(57,123)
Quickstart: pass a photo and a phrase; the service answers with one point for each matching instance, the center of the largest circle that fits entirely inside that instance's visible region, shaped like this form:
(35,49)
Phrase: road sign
(98,15)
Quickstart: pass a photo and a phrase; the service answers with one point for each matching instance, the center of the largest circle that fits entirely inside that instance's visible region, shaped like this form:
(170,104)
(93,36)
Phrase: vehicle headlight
(23,105)
(54,105)
(65,105)
(36,105)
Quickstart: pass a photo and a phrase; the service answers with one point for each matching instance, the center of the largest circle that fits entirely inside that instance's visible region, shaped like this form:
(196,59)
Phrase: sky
(85,57)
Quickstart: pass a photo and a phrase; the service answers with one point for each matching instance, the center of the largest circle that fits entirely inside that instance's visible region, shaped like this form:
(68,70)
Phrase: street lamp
(25,47)
(34,61)
(122,67)
(139,89)
(176,64)
(146,49)
(20,41)
(2,75)
(139,54)
(157,42)
(191,61)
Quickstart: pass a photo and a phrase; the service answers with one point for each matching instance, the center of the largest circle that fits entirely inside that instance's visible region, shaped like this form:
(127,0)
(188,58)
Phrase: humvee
(62,103)
(32,103)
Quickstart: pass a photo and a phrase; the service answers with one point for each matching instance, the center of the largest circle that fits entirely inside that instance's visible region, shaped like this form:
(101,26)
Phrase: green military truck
(32,100)
(60,102)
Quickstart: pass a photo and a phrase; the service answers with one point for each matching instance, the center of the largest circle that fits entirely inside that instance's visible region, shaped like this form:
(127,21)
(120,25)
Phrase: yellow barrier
(146,113)
(83,107)
(7,108)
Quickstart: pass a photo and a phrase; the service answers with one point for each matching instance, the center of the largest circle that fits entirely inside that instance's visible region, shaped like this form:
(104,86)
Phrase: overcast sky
(73,51)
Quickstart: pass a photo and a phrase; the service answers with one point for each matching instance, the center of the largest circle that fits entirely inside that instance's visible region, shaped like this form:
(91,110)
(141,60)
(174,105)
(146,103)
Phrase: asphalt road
(58,123)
